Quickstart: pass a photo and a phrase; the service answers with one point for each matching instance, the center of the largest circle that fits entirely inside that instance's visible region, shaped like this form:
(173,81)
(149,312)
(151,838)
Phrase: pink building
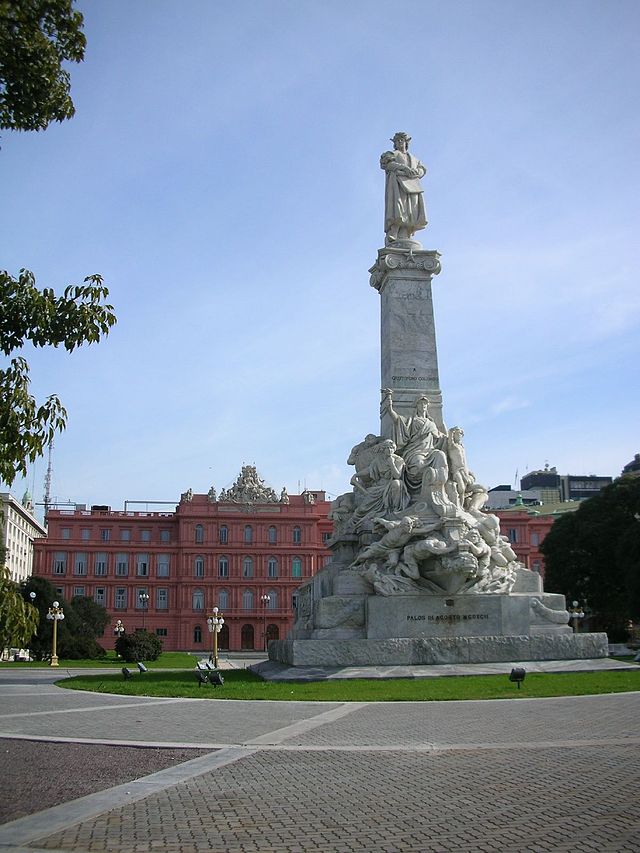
(245,553)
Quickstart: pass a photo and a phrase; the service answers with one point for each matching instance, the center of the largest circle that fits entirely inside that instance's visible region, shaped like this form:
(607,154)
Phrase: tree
(40,318)
(593,555)
(18,618)
(84,620)
(36,37)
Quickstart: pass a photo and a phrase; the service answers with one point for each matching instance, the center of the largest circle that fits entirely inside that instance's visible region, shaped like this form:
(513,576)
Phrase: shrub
(139,646)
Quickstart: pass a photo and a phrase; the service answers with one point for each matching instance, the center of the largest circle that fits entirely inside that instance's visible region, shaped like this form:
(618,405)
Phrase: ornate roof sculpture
(249,488)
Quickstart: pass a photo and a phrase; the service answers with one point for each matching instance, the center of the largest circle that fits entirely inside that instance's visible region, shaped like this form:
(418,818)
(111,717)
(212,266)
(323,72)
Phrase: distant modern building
(19,528)
(552,486)
(501,497)
(244,551)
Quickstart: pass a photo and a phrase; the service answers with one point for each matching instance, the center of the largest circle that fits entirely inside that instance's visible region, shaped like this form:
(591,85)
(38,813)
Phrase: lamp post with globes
(214,624)
(143,598)
(575,615)
(55,614)
(265,599)
(118,629)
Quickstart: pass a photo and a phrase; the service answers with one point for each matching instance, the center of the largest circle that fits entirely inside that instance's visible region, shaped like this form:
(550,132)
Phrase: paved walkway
(528,775)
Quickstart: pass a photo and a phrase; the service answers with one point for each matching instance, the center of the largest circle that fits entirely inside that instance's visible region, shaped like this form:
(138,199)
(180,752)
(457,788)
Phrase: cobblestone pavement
(532,775)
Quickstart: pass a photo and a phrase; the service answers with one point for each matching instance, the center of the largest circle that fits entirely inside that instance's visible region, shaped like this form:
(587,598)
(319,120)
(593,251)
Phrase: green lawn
(242,684)
(167,660)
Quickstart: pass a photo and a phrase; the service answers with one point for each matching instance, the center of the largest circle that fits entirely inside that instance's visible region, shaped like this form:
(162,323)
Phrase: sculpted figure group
(416,492)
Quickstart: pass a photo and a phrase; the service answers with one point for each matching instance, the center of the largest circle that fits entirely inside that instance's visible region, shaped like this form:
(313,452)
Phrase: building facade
(245,552)
(20,529)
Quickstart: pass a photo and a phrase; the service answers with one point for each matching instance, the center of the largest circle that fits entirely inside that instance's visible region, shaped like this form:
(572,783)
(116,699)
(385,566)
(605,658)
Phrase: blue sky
(222,174)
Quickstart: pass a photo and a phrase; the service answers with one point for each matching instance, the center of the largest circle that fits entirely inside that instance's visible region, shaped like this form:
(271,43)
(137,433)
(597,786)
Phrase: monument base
(413,651)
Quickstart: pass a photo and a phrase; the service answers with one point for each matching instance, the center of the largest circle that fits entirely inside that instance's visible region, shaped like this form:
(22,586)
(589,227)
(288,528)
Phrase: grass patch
(242,684)
(167,660)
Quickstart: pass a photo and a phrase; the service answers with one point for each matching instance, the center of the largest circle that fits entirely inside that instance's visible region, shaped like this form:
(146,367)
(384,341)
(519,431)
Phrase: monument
(420,573)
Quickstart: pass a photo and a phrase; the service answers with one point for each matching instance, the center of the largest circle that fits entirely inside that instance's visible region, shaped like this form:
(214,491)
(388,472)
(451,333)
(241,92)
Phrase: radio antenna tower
(47,481)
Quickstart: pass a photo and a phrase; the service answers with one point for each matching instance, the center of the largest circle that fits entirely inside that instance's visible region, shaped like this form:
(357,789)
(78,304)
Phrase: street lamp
(32,596)
(265,599)
(214,624)
(55,614)
(144,602)
(575,615)
(118,628)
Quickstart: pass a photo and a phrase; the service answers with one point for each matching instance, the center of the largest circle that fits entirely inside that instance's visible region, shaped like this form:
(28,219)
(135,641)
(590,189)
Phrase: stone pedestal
(409,360)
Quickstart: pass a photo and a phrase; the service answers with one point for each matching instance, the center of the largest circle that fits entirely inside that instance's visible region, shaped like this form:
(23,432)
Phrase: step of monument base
(438,650)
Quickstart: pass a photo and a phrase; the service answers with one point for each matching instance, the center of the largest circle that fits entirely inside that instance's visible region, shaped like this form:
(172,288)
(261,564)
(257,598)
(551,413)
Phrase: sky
(222,174)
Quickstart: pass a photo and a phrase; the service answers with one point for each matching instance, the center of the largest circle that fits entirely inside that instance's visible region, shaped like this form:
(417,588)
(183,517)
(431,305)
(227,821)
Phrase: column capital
(403,261)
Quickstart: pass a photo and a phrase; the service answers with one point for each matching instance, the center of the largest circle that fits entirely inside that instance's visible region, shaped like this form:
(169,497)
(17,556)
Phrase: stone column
(409,359)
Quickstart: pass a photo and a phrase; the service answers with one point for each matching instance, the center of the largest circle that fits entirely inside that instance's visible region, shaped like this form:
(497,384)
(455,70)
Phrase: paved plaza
(89,772)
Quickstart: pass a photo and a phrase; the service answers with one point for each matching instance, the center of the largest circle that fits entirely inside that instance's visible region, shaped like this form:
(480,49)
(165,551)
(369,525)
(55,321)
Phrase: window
(85,534)
(326,536)
(145,536)
(125,535)
(223,567)
(162,598)
(246,637)
(105,534)
(162,632)
(273,633)
(165,535)
(296,567)
(78,592)
(122,565)
(142,565)
(120,598)
(272,604)
(197,599)
(199,533)
(80,565)
(59,563)
(536,566)
(197,634)
(162,567)
(272,567)
(247,600)
(247,567)
(513,535)
(65,533)
(100,565)
(100,596)
(535,539)
(223,535)
(198,567)
(272,535)
(223,599)
(248,533)
(297,536)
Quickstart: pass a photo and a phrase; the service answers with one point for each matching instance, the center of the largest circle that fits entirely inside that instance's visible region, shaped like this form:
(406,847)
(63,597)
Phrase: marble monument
(420,572)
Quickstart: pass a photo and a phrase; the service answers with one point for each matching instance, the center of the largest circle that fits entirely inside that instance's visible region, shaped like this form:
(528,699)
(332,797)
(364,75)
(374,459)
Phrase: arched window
(272,535)
(272,567)
(223,637)
(248,533)
(246,637)
(296,567)
(223,567)
(297,536)
(272,604)
(197,634)
(197,599)
(273,633)
(223,535)
(223,599)
(199,533)
(247,600)
(247,567)
(198,567)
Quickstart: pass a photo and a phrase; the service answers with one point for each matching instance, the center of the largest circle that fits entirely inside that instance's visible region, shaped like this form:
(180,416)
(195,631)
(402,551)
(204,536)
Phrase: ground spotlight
(126,673)
(142,667)
(517,674)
